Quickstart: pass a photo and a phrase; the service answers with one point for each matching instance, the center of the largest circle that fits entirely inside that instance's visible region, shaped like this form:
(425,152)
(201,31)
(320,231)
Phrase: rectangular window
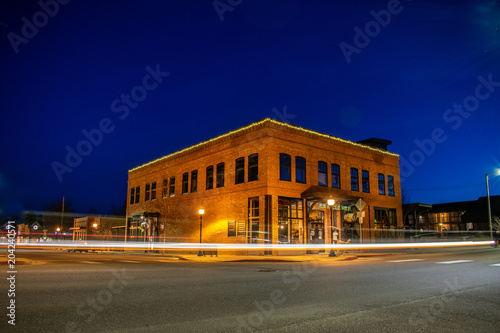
(381,184)
(365,181)
(132,195)
(239,172)
(165,188)
(231,228)
(386,225)
(285,167)
(172,186)
(148,186)
(322,173)
(253,219)
(220,175)
(153,191)
(194,181)
(137,194)
(210,177)
(335,176)
(390,185)
(300,169)
(253,167)
(354,179)
(185,182)
(290,220)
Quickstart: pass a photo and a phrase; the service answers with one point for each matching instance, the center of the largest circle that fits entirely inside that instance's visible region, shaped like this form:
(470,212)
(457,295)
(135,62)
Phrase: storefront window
(290,220)
(385,224)
(253,220)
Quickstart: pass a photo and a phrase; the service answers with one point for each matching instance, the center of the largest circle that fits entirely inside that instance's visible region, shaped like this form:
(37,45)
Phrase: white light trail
(243,246)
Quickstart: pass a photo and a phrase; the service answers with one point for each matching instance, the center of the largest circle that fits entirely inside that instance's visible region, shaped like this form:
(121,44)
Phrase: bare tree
(405,196)
(495,223)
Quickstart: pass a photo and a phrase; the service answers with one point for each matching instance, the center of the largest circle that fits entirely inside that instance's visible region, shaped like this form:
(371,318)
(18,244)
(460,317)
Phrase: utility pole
(62,215)
(489,206)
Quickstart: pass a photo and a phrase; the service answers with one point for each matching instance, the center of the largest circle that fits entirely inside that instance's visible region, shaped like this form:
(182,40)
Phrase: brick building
(268,182)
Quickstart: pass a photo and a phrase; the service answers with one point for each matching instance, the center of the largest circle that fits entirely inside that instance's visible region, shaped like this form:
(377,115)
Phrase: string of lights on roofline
(273,121)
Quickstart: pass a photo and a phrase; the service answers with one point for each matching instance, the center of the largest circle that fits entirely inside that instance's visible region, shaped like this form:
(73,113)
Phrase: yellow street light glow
(94,225)
(331,202)
(58,229)
(201,211)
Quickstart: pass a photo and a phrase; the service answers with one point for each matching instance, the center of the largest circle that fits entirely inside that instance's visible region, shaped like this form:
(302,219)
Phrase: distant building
(463,215)
(45,225)
(48,226)
(99,228)
(268,182)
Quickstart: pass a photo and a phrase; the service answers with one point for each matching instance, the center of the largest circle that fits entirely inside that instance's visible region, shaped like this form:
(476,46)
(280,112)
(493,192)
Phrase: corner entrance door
(316,233)
(316,227)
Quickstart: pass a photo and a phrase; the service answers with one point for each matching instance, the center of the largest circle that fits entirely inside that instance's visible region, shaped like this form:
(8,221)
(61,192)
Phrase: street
(453,290)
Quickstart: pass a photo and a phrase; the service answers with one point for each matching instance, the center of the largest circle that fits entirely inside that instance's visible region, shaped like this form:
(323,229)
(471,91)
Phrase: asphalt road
(452,291)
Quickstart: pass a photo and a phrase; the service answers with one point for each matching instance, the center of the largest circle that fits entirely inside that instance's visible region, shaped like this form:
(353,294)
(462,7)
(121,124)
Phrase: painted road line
(406,260)
(90,262)
(498,265)
(453,262)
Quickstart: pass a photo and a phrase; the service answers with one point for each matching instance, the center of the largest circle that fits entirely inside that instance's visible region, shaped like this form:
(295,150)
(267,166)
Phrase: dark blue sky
(74,71)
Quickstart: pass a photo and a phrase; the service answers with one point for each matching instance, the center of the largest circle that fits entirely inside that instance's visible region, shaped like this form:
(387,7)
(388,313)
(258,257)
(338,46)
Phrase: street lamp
(331,202)
(497,173)
(201,212)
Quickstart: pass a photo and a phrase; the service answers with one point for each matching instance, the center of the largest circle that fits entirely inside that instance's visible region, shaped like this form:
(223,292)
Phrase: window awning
(324,193)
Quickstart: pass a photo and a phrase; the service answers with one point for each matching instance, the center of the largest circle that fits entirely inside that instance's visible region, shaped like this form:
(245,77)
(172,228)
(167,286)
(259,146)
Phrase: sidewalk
(322,257)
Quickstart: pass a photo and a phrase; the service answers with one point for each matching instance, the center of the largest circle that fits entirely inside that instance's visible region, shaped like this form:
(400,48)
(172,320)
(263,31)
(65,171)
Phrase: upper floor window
(137,194)
(365,181)
(239,172)
(253,167)
(381,184)
(132,195)
(194,181)
(210,177)
(322,173)
(285,167)
(354,179)
(172,186)
(220,175)
(148,186)
(153,191)
(300,169)
(165,188)
(185,182)
(390,185)
(335,176)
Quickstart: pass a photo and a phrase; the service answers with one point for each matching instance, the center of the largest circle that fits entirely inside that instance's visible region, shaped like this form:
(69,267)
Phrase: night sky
(158,76)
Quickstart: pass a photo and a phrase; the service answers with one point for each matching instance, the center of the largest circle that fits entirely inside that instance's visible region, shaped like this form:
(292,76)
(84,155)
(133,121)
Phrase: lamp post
(331,202)
(147,233)
(489,205)
(201,211)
